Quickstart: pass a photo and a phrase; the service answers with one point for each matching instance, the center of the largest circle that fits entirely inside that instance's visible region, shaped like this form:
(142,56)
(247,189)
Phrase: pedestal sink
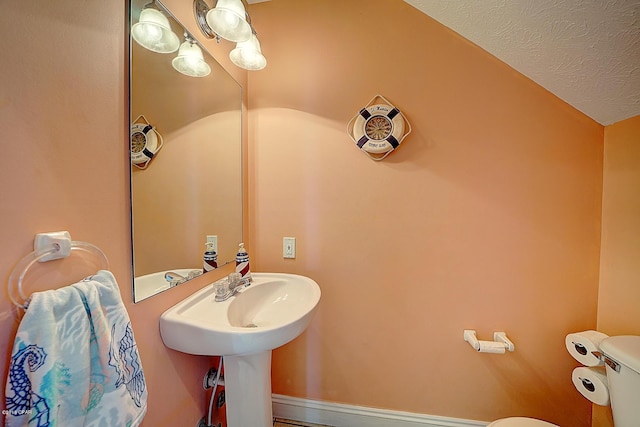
(272,311)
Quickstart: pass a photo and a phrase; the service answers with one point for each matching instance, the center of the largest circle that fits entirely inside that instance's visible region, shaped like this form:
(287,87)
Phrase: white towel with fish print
(75,361)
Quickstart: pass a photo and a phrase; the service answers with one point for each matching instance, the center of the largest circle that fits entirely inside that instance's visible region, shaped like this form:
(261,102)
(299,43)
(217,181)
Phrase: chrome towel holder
(47,247)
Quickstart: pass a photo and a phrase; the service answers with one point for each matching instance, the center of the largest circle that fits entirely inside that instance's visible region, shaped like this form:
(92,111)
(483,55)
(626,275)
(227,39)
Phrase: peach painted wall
(618,312)
(487,217)
(619,296)
(64,166)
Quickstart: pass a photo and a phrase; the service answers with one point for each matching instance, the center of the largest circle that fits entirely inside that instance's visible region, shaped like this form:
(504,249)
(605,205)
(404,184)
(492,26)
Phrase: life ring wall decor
(145,142)
(379,128)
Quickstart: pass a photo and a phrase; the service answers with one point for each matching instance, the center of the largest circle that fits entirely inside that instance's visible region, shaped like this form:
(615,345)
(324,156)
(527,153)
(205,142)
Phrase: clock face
(378,127)
(138,142)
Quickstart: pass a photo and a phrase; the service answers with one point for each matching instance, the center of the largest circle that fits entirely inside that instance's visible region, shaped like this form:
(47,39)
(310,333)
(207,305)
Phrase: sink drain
(250,325)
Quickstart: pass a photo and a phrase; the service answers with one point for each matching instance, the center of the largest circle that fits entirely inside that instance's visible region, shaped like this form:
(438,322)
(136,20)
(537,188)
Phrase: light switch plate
(288,247)
(213,239)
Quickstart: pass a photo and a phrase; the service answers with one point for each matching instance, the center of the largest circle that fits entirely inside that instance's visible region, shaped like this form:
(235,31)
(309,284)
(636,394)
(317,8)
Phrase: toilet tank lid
(624,349)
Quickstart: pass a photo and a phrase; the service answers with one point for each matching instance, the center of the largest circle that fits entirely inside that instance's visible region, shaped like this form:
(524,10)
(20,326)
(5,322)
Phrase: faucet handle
(193,274)
(221,288)
(234,280)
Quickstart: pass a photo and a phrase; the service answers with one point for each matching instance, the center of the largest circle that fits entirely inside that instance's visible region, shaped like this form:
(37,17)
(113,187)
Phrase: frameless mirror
(186,177)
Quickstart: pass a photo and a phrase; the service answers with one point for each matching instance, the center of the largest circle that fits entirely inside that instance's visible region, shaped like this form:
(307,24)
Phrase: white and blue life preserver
(144,143)
(378,129)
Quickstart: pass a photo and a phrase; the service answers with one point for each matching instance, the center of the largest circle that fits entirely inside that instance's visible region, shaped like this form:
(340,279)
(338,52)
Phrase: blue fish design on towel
(125,360)
(75,361)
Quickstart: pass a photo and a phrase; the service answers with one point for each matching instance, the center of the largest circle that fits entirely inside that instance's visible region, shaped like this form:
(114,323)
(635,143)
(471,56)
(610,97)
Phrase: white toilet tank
(623,375)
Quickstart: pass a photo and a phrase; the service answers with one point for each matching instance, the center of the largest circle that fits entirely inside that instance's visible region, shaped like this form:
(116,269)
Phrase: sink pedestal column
(247,380)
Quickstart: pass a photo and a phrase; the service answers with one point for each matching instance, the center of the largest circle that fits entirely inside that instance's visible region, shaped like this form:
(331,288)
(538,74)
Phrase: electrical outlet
(288,247)
(213,239)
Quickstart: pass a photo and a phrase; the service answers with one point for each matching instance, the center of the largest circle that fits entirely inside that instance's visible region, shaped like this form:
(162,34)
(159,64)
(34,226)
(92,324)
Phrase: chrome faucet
(170,275)
(176,279)
(229,287)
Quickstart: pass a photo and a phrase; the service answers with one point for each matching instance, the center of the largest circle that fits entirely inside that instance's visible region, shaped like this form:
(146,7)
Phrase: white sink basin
(151,284)
(270,312)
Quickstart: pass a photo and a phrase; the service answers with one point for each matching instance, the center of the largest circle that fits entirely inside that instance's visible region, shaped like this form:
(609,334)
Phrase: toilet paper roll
(580,345)
(592,384)
(491,347)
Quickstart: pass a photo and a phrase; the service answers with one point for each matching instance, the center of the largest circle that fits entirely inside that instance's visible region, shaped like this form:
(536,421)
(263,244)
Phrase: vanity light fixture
(248,55)
(190,60)
(153,31)
(229,20)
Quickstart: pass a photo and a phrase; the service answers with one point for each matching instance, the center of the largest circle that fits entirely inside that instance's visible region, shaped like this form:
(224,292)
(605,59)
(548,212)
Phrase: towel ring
(58,245)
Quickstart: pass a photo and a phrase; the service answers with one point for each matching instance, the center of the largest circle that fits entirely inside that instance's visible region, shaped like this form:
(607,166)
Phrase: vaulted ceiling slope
(586,52)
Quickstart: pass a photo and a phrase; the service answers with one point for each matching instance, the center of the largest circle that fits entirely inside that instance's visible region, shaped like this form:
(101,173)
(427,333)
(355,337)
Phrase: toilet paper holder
(498,337)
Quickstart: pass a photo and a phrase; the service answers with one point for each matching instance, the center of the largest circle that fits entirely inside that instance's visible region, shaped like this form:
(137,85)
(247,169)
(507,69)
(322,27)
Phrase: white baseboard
(341,415)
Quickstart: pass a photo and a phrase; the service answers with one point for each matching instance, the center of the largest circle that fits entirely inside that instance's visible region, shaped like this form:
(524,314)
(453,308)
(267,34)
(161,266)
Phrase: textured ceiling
(586,52)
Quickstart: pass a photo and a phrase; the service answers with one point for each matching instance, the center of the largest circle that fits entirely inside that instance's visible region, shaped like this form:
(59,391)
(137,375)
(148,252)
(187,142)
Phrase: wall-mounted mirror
(192,186)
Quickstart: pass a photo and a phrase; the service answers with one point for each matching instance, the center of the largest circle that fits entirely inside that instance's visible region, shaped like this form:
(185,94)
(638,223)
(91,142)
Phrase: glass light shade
(153,32)
(190,61)
(248,55)
(228,20)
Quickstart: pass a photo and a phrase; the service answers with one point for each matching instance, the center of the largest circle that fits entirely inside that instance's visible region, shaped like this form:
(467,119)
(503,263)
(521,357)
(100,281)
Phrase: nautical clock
(379,128)
(145,142)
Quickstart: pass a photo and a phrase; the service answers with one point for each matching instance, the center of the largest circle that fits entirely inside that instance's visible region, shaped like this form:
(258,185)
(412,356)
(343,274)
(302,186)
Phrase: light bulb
(150,33)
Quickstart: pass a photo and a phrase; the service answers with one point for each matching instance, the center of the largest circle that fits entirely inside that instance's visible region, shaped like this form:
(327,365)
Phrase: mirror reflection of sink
(151,284)
(273,310)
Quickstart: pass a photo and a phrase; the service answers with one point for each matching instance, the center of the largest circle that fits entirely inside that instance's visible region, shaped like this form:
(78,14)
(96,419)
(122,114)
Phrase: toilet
(520,422)
(622,357)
